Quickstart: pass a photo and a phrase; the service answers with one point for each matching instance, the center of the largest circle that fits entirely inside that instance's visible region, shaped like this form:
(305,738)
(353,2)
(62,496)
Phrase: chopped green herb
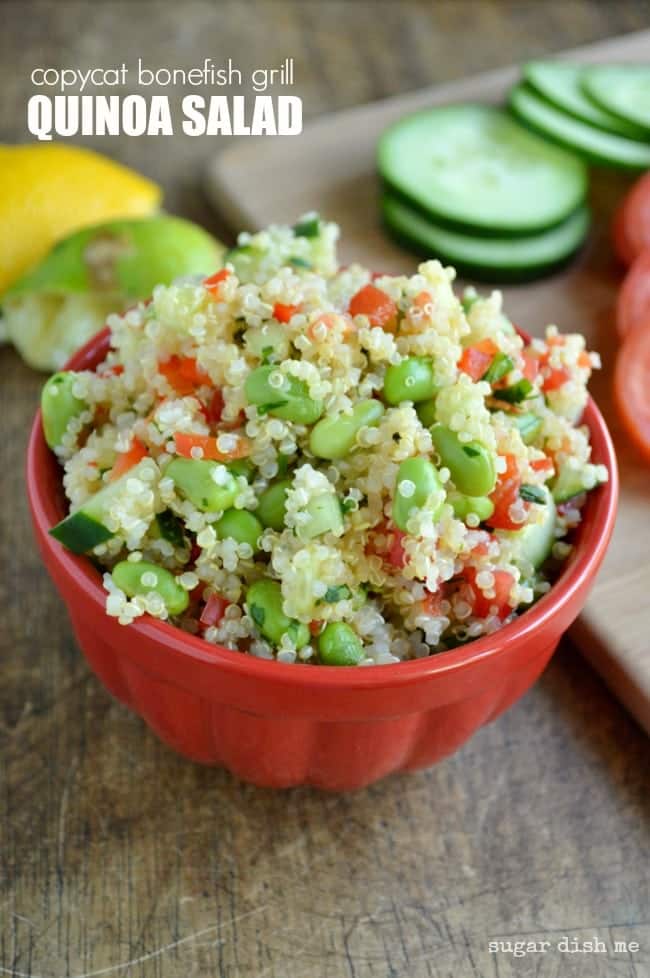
(171,528)
(258,614)
(336,593)
(300,263)
(516,393)
(347,505)
(307,228)
(500,366)
(267,352)
(532,494)
(265,408)
(470,452)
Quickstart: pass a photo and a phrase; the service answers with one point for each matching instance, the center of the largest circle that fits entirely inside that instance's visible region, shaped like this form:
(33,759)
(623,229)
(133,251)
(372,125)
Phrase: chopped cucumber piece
(193,477)
(529,426)
(502,258)
(562,83)
(573,481)
(85,528)
(324,512)
(623,90)
(597,146)
(474,166)
(536,540)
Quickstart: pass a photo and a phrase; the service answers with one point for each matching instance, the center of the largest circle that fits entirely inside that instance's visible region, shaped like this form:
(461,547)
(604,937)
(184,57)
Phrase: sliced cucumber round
(473,166)
(594,144)
(623,90)
(502,259)
(561,83)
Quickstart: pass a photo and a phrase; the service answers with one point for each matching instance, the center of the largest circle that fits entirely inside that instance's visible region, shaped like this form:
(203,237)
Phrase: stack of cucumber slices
(601,112)
(501,195)
(471,186)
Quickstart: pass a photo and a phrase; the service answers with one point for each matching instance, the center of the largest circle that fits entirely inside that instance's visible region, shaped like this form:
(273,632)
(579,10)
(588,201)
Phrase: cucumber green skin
(604,84)
(79,533)
(542,197)
(561,83)
(488,259)
(83,529)
(536,541)
(149,251)
(605,149)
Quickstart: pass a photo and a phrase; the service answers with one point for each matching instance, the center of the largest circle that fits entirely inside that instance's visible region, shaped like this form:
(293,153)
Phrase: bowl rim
(578,573)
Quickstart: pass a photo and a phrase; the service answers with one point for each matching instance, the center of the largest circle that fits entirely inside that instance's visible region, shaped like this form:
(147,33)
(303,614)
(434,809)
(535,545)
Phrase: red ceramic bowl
(276,724)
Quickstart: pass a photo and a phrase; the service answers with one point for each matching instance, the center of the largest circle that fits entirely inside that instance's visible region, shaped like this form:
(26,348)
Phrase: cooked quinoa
(328,412)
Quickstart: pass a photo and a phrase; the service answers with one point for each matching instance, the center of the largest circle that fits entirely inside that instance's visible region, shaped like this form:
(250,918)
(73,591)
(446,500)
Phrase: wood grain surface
(118,858)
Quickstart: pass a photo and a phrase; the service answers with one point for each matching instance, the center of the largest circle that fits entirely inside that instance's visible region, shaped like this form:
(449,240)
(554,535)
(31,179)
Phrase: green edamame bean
(272,505)
(193,478)
(143,578)
(240,525)
(333,438)
(416,480)
(264,603)
(471,465)
(59,406)
(426,412)
(325,516)
(339,645)
(290,401)
(410,380)
(462,505)
(529,426)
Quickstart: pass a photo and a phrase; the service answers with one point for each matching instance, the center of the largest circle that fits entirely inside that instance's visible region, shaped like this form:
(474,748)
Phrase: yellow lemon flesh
(48,191)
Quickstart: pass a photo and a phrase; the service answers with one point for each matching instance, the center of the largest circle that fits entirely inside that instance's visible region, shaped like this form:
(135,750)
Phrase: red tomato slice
(380,309)
(631,226)
(504,494)
(631,387)
(214,610)
(482,605)
(633,303)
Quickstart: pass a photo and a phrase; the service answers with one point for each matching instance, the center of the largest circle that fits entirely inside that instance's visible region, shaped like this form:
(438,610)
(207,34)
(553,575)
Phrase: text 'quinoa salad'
(322,465)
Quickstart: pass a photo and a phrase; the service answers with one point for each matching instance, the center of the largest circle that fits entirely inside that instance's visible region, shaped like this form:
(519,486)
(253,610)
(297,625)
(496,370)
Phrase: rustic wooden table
(118,858)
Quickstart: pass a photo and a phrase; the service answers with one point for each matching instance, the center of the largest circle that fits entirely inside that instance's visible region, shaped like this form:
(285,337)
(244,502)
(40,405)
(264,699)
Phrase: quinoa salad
(317,464)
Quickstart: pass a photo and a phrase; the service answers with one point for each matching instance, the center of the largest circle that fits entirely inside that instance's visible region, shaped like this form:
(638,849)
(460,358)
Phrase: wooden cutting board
(331,168)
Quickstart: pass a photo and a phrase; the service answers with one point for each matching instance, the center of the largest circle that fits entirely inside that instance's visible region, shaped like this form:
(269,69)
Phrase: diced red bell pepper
(208,445)
(380,309)
(213,283)
(183,374)
(127,460)
(283,312)
(476,359)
